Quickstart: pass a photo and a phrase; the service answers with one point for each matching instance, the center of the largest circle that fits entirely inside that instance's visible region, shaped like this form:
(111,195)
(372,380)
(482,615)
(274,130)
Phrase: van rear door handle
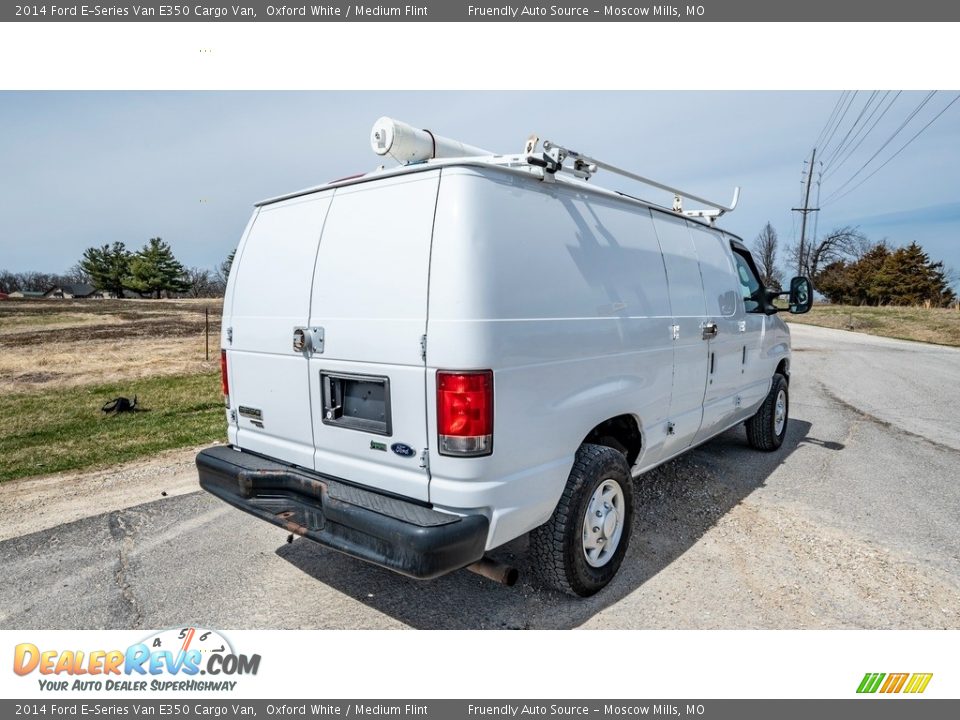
(710,330)
(308,340)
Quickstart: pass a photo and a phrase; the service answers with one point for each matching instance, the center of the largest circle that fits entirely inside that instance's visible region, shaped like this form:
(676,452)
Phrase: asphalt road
(855,523)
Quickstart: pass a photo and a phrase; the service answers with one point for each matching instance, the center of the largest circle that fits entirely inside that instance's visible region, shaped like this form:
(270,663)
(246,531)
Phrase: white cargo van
(423,363)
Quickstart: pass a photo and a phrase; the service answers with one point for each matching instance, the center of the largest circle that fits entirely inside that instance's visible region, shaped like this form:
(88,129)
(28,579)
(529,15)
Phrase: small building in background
(73,291)
(31,294)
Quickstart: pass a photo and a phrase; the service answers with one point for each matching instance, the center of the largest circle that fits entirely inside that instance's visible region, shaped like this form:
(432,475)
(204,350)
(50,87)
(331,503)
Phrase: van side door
(724,331)
(688,308)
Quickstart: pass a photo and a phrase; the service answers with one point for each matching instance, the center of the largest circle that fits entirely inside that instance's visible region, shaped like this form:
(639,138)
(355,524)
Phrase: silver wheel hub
(780,412)
(603,523)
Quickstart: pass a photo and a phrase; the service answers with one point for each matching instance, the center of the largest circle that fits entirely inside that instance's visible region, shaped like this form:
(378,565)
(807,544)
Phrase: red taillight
(224,382)
(465,412)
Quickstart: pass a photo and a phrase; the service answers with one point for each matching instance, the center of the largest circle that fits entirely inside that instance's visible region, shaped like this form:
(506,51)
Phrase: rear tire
(767,429)
(582,545)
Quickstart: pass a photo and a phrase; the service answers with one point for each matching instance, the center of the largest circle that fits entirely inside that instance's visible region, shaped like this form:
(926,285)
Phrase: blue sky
(87,168)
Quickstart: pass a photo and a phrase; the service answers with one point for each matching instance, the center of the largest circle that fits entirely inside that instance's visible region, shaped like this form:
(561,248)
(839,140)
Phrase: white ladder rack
(585,167)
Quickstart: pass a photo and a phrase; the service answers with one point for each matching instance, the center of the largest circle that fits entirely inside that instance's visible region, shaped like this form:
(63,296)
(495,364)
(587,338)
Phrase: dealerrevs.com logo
(910,683)
(169,660)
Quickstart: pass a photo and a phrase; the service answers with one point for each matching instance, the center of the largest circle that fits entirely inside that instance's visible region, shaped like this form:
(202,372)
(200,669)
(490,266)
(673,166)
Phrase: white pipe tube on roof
(406,144)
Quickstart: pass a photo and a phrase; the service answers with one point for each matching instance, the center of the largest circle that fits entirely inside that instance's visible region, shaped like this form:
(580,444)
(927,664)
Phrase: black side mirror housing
(768,297)
(801,295)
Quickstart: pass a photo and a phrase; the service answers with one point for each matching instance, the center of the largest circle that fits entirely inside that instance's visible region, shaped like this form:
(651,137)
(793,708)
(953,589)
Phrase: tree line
(152,271)
(849,268)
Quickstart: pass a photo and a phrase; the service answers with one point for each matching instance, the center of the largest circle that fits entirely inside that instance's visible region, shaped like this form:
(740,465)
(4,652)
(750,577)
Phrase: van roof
(514,164)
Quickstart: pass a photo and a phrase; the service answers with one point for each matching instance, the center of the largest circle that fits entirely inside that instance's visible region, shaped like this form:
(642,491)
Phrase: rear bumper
(399,535)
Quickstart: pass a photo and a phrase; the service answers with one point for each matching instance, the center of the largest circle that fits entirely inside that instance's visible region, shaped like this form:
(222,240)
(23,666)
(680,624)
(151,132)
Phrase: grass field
(61,360)
(933,325)
(54,430)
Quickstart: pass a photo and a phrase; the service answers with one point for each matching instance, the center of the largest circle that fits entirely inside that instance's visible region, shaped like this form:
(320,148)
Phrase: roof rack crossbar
(586,166)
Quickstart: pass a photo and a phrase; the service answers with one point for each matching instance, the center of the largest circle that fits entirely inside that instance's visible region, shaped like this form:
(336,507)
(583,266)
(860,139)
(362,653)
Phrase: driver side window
(750,286)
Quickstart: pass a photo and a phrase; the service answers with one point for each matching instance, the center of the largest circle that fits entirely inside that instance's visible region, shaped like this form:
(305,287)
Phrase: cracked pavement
(855,523)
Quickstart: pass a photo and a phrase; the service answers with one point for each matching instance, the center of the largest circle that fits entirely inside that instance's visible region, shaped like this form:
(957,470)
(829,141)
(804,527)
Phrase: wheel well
(620,433)
(784,369)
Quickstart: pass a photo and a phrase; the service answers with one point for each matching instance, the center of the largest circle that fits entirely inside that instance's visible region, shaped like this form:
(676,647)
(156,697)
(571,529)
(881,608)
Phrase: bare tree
(202,283)
(77,274)
(765,253)
(9,282)
(846,243)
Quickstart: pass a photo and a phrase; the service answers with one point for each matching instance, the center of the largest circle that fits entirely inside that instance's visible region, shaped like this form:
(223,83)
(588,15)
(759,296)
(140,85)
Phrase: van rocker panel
(393,533)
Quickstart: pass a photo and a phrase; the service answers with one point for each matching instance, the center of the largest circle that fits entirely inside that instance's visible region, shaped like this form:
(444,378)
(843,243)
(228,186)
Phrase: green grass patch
(58,430)
(932,325)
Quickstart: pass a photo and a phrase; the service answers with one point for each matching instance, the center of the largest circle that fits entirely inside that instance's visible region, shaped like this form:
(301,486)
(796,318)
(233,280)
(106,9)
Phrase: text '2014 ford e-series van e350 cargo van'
(425,362)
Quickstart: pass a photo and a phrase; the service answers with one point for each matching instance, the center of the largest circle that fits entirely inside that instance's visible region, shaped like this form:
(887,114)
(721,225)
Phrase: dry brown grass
(49,344)
(932,325)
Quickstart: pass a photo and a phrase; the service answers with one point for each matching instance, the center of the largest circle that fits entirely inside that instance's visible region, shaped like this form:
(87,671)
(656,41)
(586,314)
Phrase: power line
(826,144)
(816,218)
(856,122)
(867,134)
(804,211)
(836,107)
(886,142)
(904,147)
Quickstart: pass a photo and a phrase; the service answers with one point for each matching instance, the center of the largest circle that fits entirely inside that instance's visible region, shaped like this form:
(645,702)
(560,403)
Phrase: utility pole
(805,210)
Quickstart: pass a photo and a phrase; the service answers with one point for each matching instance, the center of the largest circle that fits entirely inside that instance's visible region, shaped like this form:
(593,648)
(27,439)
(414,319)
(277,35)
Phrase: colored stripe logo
(913,683)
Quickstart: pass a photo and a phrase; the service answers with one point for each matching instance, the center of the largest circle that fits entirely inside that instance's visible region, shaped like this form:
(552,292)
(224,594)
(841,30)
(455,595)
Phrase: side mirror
(801,295)
(768,297)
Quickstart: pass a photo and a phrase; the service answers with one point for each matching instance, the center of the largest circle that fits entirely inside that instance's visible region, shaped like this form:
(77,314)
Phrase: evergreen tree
(108,267)
(154,269)
(835,282)
(223,272)
(905,276)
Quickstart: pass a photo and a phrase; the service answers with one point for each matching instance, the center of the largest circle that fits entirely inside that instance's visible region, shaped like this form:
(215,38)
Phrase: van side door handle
(710,330)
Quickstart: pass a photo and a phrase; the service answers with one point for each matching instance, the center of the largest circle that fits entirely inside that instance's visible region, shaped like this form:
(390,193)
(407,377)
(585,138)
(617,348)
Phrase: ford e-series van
(425,362)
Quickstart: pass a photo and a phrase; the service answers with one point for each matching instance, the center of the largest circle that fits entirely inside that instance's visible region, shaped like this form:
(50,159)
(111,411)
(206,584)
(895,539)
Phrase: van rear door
(269,388)
(367,386)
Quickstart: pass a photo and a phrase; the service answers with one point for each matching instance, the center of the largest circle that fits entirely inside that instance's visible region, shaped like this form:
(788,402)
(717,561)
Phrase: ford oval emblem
(403,450)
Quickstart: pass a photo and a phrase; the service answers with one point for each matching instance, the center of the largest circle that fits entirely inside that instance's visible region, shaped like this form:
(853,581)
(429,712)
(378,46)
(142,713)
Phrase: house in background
(73,291)
(32,294)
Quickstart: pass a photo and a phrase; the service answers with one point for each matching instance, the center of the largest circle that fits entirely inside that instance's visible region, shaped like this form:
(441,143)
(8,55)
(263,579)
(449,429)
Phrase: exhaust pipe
(494,570)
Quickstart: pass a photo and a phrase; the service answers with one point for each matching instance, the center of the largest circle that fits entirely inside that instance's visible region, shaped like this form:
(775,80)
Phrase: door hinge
(233,417)
(675,331)
(423,348)
(425,458)
(230,335)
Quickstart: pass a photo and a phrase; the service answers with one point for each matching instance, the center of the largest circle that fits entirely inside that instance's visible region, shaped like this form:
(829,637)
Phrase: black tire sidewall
(583,577)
